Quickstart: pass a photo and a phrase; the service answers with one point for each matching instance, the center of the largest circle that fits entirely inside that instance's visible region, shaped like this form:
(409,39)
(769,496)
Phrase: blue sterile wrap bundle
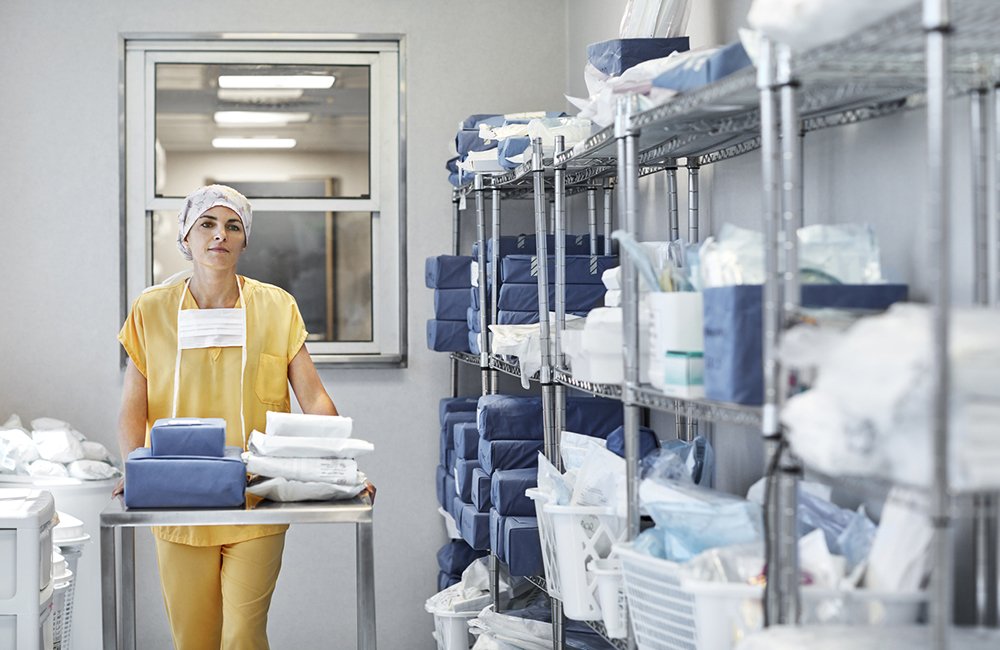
(463,477)
(188,437)
(699,456)
(456,176)
(507,492)
(524,296)
(507,317)
(618,55)
(439,483)
(648,442)
(450,492)
(451,418)
(475,528)
(447,336)
(466,435)
(496,535)
(455,405)
(526,245)
(185,481)
(705,69)
(448,272)
(510,147)
(446,580)
(509,454)
(733,324)
(522,546)
(455,556)
(481,485)
(505,417)
(451,304)
(474,345)
(457,505)
(580,269)
(472,320)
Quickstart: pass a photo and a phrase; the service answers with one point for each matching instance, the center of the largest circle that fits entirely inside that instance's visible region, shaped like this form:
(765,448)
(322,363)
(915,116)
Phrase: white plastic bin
(26,521)
(673,612)
(571,537)
(611,595)
(451,630)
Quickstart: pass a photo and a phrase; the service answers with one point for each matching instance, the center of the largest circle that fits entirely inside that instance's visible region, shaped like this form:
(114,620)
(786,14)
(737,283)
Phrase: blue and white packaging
(703,69)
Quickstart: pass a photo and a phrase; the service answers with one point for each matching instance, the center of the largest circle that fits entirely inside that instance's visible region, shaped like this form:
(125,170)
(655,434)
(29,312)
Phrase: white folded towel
(308,426)
(305,447)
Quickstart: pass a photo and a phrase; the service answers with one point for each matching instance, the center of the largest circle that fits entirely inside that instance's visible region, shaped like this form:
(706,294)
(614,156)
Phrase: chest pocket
(271,385)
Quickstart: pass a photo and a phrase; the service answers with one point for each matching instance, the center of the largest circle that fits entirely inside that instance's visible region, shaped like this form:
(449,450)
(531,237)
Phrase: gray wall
(60,268)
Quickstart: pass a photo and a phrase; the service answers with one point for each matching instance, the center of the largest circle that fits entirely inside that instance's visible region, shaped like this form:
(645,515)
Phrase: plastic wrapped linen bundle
(305,458)
(52,449)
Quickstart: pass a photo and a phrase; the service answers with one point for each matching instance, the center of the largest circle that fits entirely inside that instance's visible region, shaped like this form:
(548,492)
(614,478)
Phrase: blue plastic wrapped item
(451,304)
(481,485)
(528,317)
(448,272)
(463,477)
(185,481)
(524,296)
(188,437)
(618,55)
(455,556)
(505,417)
(466,436)
(699,458)
(648,442)
(733,326)
(507,492)
(702,71)
(440,483)
(475,528)
(848,533)
(455,405)
(580,269)
(511,147)
(692,519)
(446,580)
(447,335)
(496,534)
(508,454)
(522,546)
(525,245)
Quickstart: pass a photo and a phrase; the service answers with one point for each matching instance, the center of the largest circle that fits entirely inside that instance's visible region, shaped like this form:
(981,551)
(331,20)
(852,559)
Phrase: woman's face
(217,239)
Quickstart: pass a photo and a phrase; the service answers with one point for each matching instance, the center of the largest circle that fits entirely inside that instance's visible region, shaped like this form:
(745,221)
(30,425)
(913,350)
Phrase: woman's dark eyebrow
(234,221)
(208,216)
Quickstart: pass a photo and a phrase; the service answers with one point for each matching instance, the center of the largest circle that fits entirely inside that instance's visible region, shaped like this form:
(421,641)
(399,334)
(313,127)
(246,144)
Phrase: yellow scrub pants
(218,596)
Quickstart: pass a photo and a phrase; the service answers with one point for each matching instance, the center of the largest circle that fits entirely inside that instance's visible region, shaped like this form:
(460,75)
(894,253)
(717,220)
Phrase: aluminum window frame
(384,54)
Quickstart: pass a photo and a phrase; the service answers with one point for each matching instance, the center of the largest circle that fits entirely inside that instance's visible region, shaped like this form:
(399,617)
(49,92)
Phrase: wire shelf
(508,368)
(598,626)
(590,152)
(466,357)
(538,581)
(612,391)
(722,412)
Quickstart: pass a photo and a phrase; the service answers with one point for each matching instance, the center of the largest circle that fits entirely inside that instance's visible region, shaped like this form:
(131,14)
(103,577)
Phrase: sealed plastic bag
(601,481)
(557,488)
(342,471)
(296,447)
(844,254)
(96,451)
(58,445)
(92,470)
(279,489)
(573,448)
(17,451)
(654,18)
(47,468)
(308,426)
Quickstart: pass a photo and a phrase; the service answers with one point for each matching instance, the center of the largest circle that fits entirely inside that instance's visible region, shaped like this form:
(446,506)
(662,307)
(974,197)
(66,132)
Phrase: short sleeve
(133,339)
(296,331)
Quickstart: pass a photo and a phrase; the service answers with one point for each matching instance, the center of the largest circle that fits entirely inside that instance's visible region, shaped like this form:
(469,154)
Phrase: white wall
(59,161)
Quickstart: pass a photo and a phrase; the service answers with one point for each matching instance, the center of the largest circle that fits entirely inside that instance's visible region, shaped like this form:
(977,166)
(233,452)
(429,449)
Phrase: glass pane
(267,123)
(322,258)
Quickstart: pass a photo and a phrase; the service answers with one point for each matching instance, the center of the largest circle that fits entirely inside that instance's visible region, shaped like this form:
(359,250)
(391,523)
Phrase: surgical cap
(203,200)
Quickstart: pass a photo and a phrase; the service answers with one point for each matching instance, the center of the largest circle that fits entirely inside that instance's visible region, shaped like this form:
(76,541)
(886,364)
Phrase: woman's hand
(369,490)
(119,489)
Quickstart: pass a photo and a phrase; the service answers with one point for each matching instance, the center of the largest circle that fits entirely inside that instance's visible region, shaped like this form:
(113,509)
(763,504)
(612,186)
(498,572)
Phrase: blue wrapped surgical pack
(455,556)
(618,55)
(466,435)
(580,269)
(524,297)
(451,304)
(447,335)
(522,545)
(448,272)
(455,405)
(481,484)
(505,417)
(188,437)
(463,477)
(703,69)
(507,492)
(475,528)
(185,481)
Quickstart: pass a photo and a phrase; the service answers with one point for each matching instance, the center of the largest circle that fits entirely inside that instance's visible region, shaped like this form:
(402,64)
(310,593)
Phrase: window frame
(384,55)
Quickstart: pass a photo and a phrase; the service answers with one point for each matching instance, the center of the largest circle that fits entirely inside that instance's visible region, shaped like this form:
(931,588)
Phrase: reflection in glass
(274,123)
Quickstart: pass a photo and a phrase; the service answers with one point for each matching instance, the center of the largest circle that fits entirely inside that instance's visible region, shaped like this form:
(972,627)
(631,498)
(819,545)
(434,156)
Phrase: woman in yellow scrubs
(217,581)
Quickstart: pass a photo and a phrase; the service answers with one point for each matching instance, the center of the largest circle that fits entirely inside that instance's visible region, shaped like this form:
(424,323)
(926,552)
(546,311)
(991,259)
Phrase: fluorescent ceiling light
(258,118)
(259,95)
(253,143)
(275,81)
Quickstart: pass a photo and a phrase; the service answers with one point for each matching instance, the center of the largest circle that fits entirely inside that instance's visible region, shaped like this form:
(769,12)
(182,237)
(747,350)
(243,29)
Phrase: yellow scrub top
(210,377)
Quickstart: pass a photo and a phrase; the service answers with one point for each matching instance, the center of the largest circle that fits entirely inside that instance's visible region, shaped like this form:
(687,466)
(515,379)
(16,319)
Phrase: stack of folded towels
(450,277)
(496,461)
(305,457)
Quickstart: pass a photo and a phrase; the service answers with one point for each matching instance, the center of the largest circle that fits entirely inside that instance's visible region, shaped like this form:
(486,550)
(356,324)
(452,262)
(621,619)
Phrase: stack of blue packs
(453,558)
(452,411)
(468,140)
(450,277)
(187,465)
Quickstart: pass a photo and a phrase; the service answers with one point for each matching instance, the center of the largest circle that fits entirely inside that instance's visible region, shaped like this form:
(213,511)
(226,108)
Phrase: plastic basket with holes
(670,611)
(572,536)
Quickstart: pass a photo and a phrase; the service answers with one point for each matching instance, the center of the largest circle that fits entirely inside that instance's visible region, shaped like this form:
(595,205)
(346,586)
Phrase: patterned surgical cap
(200,201)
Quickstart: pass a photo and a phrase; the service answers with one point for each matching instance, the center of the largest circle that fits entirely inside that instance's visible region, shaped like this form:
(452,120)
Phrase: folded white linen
(342,471)
(279,489)
(308,426)
(305,447)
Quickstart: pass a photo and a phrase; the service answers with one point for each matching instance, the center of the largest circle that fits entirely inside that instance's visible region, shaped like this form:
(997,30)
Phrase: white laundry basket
(672,612)
(571,537)
(451,630)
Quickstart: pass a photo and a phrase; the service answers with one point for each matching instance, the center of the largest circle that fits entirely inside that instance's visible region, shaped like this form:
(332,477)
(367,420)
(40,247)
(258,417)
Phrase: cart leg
(128,588)
(366,587)
(109,594)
